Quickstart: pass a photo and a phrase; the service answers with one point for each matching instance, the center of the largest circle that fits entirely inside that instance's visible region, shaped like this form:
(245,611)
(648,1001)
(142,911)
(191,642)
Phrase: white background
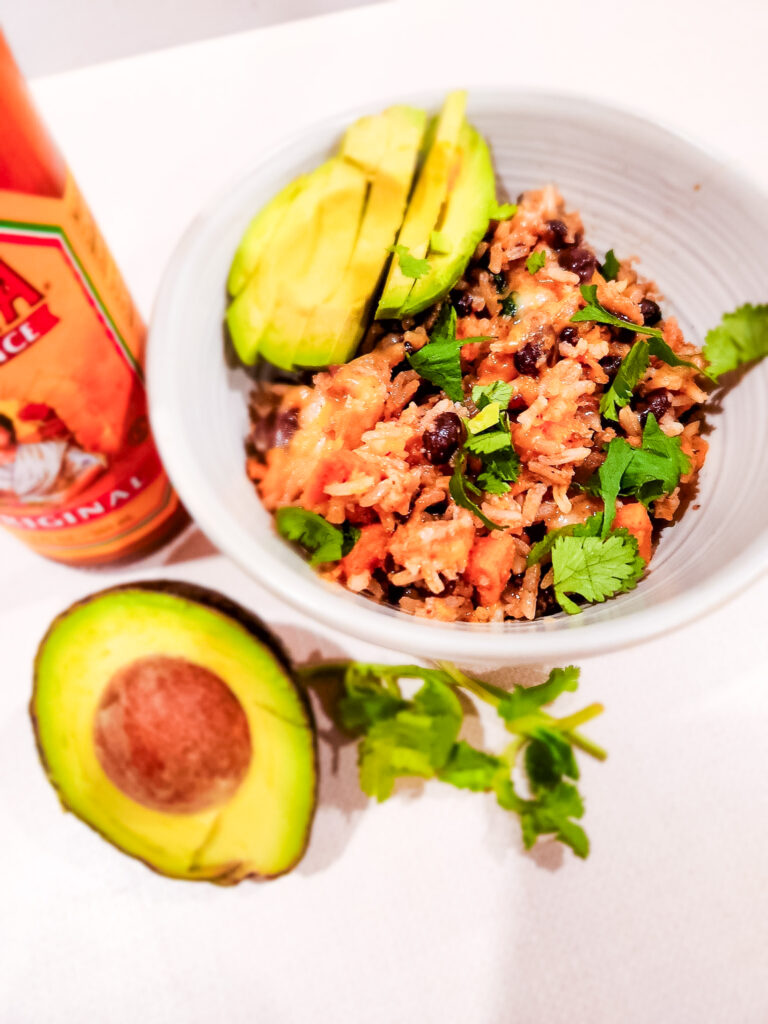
(56,35)
(424,909)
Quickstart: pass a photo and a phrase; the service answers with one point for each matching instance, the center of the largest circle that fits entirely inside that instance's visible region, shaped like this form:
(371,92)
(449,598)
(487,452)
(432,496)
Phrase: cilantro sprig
(325,542)
(740,337)
(411,266)
(646,473)
(419,737)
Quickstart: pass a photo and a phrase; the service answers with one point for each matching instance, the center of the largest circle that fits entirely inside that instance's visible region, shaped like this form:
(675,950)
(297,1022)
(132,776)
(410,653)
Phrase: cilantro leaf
(500,282)
(740,337)
(411,266)
(416,740)
(439,361)
(551,814)
(611,266)
(594,311)
(459,488)
(536,261)
(326,542)
(523,701)
(499,391)
(659,348)
(489,438)
(469,768)
(488,442)
(502,211)
(548,758)
(630,373)
(656,467)
(509,305)
(609,476)
(540,550)
(594,568)
(646,473)
(500,469)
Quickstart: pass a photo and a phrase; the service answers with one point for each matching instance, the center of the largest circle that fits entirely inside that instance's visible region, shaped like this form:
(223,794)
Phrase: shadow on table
(340,800)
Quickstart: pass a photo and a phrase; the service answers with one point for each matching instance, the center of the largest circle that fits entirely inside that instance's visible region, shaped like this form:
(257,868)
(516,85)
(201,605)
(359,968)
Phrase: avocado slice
(463,223)
(433,184)
(258,235)
(267,291)
(167,718)
(336,327)
(340,216)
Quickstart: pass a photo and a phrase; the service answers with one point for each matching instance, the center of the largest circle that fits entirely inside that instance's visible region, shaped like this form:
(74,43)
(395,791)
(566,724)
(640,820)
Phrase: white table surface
(424,909)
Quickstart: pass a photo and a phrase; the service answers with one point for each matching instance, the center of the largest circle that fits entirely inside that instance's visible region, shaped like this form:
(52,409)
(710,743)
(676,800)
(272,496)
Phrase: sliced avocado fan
(306,274)
(167,718)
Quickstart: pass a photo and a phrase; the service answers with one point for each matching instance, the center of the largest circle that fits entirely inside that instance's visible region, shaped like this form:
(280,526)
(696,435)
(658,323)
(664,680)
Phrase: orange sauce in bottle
(80,479)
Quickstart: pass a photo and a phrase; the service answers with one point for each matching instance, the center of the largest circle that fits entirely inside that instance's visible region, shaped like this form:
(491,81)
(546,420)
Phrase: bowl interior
(698,231)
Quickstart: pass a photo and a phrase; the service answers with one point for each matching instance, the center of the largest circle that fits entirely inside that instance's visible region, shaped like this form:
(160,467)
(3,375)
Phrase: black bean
(651,312)
(610,365)
(569,334)
(526,359)
(555,235)
(579,261)
(273,430)
(535,532)
(462,303)
(286,425)
(442,439)
(656,402)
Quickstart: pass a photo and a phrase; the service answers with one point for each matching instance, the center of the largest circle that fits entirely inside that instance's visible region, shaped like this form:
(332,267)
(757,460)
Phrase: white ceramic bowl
(700,231)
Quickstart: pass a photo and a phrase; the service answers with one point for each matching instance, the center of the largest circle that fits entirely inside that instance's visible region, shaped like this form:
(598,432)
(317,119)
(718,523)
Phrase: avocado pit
(171,735)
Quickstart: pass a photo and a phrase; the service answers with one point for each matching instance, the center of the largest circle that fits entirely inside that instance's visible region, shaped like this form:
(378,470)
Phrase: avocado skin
(253,625)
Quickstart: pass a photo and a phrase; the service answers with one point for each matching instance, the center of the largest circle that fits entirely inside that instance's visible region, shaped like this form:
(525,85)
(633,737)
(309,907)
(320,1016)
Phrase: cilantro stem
(570,722)
(485,691)
(588,746)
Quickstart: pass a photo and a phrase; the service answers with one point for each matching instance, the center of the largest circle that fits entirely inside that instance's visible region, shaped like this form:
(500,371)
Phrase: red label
(19,338)
(94,506)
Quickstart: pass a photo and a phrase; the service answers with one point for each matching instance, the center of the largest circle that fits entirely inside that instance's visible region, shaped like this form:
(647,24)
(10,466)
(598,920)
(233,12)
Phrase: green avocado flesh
(207,821)
(435,180)
(260,232)
(463,223)
(341,321)
(306,275)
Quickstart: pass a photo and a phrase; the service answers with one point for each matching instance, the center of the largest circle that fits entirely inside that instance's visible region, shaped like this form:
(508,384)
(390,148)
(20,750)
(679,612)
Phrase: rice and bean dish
(447,496)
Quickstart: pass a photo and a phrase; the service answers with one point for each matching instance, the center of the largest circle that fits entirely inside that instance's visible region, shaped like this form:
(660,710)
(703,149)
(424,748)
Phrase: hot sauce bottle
(80,478)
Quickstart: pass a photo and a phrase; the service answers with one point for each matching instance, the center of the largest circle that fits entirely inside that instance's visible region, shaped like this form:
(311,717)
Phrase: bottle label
(80,479)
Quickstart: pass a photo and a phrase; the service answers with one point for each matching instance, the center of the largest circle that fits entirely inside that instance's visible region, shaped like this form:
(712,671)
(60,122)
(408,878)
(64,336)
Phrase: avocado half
(168,719)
